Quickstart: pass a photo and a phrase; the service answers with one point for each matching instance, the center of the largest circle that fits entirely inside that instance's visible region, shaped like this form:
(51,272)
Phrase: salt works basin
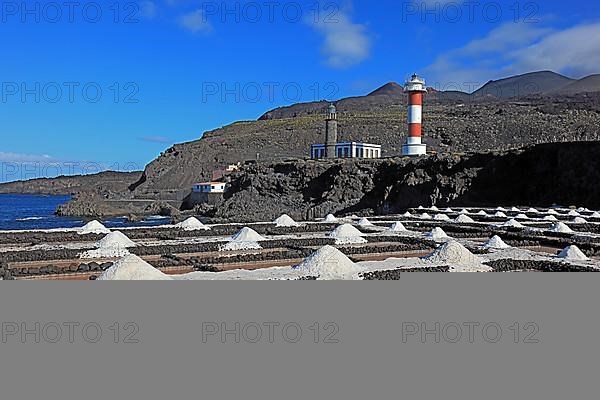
(350,248)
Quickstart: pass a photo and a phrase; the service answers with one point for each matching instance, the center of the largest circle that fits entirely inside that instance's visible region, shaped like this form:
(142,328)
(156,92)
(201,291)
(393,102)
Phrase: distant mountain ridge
(453,122)
(545,83)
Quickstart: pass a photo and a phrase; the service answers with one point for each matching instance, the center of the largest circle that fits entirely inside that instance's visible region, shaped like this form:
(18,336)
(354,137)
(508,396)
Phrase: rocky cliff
(106,184)
(450,126)
(540,175)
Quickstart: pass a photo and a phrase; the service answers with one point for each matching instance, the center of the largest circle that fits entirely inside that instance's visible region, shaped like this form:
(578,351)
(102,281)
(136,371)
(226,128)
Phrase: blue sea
(22,212)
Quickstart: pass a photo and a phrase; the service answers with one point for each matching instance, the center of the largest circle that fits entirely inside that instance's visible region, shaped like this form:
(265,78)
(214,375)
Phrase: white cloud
(24,166)
(516,48)
(147,9)
(575,50)
(436,3)
(345,43)
(195,22)
(156,139)
(26,158)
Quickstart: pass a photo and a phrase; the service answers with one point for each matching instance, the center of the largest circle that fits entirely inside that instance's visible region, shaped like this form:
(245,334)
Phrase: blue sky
(104,86)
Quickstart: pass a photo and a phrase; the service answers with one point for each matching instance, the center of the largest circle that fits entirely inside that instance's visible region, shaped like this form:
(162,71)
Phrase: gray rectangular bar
(427,336)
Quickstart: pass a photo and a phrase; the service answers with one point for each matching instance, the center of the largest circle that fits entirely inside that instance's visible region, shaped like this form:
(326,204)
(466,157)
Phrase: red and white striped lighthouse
(415,89)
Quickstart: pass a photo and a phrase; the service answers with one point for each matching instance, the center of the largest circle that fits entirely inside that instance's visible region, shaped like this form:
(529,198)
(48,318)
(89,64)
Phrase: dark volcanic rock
(555,173)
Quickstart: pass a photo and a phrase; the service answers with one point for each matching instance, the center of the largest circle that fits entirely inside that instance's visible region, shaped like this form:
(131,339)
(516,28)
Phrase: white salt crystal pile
(559,227)
(495,242)
(407,214)
(247,235)
(441,217)
(515,209)
(511,223)
(434,208)
(482,213)
(116,239)
(595,214)
(522,216)
(572,253)
(573,213)
(532,210)
(425,216)
(583,209)
(500,214)
(550,218)
(437,234)
(463,211)
(133,268)
(328,263)
(579,220)
(448,210)
(192,224)
(501,209)
(330,218)
(457,256)
(464,219)
(245,239)
(115,244)
(286,221)
(93,227)
(553,211)
(420,208)
(347,234)
(365,222)
(398,227)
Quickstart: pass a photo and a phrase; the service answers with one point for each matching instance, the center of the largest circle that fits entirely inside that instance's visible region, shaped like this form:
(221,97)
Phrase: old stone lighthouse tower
(331,132)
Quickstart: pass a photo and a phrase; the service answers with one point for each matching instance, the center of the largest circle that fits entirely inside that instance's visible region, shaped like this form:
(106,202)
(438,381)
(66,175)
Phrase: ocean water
(23,212)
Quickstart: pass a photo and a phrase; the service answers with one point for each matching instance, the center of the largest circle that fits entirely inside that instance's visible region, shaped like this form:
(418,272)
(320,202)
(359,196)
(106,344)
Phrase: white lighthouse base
(414,147)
